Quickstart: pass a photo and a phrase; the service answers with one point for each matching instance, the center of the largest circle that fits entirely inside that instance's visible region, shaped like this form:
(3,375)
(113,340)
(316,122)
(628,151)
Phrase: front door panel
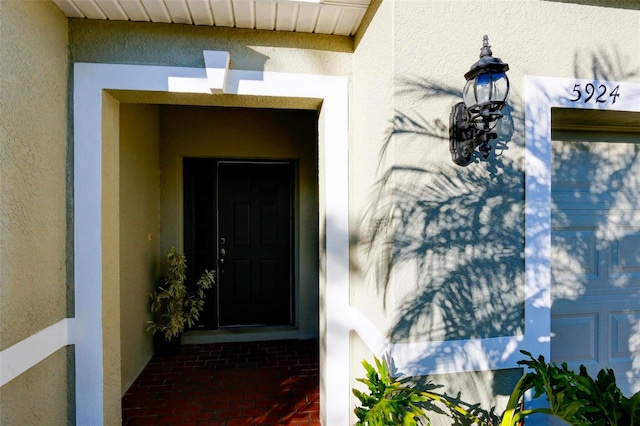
(254,243)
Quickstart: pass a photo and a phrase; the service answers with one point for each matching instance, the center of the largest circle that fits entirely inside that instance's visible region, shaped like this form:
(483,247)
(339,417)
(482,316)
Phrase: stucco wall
(178,45)
(38,396)
(449,258)
(235,133)
(110,274)
(33,168)
(440,246)
(139,232)
(464,242)
(446,258)
(33,230)
(182,45)
(371,199)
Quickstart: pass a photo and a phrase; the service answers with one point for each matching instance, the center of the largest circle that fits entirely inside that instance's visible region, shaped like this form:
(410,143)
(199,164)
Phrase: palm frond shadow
(602,64)
(444,224)
(460,229)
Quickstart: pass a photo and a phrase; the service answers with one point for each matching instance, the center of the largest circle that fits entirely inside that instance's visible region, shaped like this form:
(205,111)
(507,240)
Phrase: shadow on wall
(603,64)
(621,4)
(458,232)
(459,229)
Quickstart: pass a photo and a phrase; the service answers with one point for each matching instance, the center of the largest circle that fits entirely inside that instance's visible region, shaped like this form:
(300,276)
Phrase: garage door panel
(574,253)
(625,257)
(584,198)
(595,259)
(572,218)
(624,334)
(578,335)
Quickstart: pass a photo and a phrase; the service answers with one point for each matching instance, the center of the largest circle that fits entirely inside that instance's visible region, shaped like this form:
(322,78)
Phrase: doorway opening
(236,190)
(240,196)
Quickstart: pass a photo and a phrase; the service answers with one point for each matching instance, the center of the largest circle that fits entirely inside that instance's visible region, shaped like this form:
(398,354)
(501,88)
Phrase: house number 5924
(594,93)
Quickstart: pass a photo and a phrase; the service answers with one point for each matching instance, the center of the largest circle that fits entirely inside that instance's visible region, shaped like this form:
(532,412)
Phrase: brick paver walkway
(228,384)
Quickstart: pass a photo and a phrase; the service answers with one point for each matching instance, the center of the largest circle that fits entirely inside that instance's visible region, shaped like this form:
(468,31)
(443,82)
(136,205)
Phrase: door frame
(215,232)
(98,91)
(541,95)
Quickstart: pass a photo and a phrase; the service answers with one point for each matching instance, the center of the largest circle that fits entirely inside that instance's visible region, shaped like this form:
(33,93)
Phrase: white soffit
(336,17)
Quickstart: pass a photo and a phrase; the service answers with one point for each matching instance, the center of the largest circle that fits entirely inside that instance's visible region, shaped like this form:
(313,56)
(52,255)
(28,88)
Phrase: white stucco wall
(457,251)
(458,232)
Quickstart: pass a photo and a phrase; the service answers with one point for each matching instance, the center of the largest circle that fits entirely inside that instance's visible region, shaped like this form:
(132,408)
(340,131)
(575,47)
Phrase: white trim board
(90,80)
(541,95)
(18,358)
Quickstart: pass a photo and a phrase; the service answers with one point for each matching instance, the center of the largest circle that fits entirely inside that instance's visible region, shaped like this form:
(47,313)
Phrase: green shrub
(574,397)
(176,309)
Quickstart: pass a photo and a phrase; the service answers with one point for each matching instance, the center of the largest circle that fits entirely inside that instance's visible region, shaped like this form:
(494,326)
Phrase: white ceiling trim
(336,17)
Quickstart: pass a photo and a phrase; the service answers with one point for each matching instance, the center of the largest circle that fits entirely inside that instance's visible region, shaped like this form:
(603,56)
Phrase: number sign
(594,93)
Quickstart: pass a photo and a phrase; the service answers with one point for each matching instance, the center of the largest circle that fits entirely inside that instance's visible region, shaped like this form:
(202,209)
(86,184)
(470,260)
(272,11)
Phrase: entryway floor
(228,384)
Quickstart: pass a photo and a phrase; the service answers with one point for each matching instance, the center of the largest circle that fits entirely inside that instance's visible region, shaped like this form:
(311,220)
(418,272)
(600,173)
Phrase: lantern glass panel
(468,94)
(483,86)
(500,87)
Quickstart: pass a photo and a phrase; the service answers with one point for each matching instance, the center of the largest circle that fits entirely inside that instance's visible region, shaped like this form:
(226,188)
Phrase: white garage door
(596,255)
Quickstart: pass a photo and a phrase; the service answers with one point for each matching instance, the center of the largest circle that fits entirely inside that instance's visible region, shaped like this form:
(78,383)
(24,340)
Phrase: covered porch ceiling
(336,17)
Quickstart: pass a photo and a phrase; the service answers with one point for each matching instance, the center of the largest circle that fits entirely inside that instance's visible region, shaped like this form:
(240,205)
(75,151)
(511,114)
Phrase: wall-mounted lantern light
(484,96)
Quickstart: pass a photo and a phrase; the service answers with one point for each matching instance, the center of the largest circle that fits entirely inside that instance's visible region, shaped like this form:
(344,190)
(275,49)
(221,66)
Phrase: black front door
(239,217)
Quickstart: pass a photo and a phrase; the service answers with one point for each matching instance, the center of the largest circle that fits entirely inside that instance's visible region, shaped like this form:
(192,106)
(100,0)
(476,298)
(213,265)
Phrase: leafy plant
(175,308)
(574,397)
(388,403)
(579,399)
(391,403)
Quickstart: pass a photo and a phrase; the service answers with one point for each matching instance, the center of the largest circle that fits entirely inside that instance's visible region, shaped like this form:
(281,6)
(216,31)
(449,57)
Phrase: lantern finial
(486,48)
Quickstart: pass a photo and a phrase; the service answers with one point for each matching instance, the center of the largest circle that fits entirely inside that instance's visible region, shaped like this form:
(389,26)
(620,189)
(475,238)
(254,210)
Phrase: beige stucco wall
(139,232)
(465,245)
(177,45)
(182,45)
(33,217)
(33,168)
(453,235)
(39,395)
(110,164)
(238,133)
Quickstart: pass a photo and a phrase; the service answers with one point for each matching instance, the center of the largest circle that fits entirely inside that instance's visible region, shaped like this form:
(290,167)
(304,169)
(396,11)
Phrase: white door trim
(90,81)
(541,95)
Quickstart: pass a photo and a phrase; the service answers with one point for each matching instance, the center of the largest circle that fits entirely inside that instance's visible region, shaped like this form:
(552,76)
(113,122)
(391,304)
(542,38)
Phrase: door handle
(221,256)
